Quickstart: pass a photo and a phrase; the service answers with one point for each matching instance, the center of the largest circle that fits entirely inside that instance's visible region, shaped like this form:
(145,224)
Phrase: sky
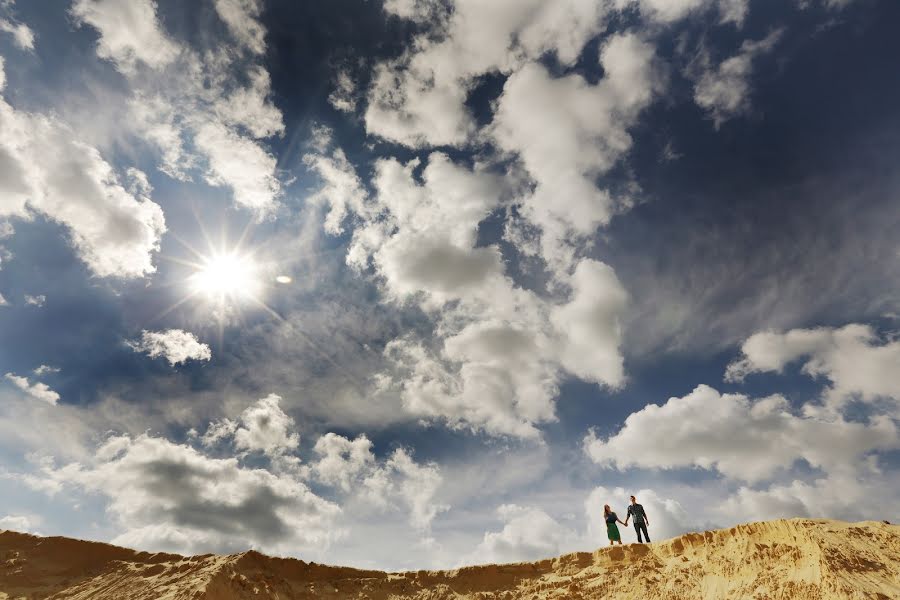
(409,284)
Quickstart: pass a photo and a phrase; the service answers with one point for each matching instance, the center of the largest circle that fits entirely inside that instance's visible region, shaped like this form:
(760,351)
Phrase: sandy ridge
(798,559)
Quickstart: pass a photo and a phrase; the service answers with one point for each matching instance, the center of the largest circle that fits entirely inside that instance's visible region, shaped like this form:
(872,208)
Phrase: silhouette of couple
(640,522)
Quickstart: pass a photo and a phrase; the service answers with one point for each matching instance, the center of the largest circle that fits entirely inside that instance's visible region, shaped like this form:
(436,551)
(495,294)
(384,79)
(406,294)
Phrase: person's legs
(642,526)
(637,530)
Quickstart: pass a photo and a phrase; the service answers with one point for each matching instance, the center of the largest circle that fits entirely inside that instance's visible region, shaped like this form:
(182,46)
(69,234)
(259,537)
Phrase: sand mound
(797,559)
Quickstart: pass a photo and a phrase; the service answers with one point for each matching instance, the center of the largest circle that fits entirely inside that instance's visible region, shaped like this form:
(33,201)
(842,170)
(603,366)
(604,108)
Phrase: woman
(612,530)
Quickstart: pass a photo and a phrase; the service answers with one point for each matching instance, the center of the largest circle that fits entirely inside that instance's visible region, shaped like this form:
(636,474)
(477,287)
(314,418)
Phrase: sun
(227,276)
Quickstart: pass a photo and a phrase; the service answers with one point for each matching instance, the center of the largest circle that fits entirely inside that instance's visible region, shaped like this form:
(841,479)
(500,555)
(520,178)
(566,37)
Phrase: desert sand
(798,559)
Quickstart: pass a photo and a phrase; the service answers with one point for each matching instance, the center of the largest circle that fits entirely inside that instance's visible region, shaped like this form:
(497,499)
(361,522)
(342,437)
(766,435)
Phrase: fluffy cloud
(199,109)
(22,34)
(419,99)
(168,496)
(175,345)
(568,132)
(724,90)
(351,465)
(45,169)
(668,11)
(343,97)
(242,19)
(495,340)
(262,427)
(36,390)
(852,358)
(38,300)
(528,533)
(129,32)
(743,439)
(17,523)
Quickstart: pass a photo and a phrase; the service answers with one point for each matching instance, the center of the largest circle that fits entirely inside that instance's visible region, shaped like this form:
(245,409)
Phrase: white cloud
(842,496)
(528,533)
(343,97)
(44,370)
(19,523)
(398,480)
(266,428)
(130,32)
(568,132)
(175,345)
(419,99)
(724,90)
(853,358)
(589,324)
(36,390)
(167,496)
(343,461)
(199,109)
(242,19)
(46,169)
(744,439)
(493,339)
(38,300)
(240,163)
(22,33)
(3,301)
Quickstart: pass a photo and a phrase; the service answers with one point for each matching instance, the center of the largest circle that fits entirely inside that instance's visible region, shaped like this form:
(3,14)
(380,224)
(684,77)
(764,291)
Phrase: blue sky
(419,283)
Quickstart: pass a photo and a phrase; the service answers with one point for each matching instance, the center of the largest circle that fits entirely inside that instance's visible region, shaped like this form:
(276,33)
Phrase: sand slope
(798,559)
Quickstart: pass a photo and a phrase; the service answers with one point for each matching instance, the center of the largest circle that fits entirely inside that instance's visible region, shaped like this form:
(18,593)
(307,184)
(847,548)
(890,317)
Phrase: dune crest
(799,559)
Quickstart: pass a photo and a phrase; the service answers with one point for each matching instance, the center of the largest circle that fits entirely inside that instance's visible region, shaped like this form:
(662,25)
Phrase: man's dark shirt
(637,511)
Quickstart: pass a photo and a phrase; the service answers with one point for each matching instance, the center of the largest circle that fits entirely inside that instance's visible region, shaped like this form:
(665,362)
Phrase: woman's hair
(606,510)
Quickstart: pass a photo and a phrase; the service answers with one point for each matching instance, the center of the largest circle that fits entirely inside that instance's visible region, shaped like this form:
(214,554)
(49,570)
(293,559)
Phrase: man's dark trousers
(641,526)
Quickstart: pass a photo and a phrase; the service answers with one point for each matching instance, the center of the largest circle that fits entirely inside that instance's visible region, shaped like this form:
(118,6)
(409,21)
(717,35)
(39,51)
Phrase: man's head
(633,500)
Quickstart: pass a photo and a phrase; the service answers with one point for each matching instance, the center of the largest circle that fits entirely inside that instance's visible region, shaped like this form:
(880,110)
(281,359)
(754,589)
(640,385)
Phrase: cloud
(18,523)
(493,339)
(129,32)
(744,439)
(343,97)
(38,300)
(242,19)
(167,496)
(419,99)
(351,466)
(22,34)
(262,427)
(724,90)
(45,169)
(528,533)
(36,390)
(44,370)
(568,132)
(198,108)
(175,345)
(589,324)
(3,301)
(853,358)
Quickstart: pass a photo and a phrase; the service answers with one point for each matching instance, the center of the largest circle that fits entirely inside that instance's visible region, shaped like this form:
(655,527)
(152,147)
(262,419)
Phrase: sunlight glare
(227,276)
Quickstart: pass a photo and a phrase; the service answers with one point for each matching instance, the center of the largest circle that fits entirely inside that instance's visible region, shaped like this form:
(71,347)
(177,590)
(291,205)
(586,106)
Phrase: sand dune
(798,559)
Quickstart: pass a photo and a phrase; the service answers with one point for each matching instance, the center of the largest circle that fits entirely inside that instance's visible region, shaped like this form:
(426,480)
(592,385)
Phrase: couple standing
(640,522)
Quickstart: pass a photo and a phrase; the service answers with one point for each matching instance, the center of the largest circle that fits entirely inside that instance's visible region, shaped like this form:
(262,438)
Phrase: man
(640,519)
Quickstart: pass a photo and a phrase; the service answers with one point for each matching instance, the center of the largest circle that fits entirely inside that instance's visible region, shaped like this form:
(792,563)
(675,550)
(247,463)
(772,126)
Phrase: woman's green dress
(612,531)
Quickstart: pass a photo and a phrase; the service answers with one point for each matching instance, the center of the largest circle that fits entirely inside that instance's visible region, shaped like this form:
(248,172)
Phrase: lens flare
(227,276)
